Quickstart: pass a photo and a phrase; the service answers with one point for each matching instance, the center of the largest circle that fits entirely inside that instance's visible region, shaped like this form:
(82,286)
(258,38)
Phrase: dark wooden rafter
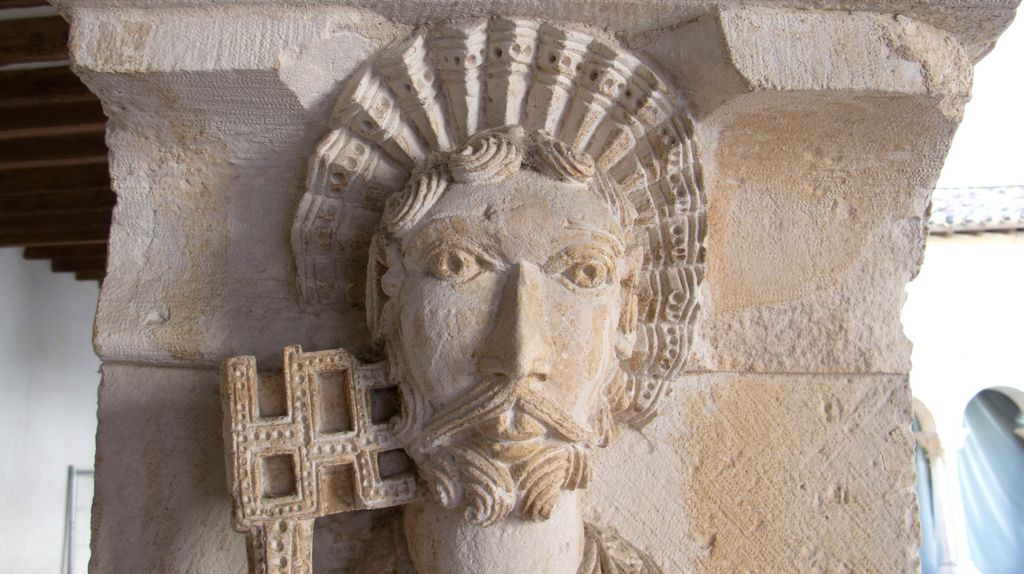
(31,202)
(9,238)
(71,258)
(96,250)
(51,115)
(42,86)
(56,219)
(54,226)
(53,147)
(90,275)
(55,190)
(33,40)
(89,144)
(73,264)
(4,4)
(84,175)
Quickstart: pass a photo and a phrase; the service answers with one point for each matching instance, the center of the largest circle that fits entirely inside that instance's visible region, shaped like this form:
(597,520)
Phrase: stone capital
(750,184)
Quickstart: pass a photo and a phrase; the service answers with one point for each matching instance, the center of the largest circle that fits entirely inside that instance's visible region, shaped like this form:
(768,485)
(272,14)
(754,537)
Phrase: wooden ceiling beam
(90,175)
(51,163)
(90,275)
(33,40)
(10,238)
(29,202)
(53,147)
(35,132)
(55,228)
(4,4)
(72,264)
(42,85)
(55,189)
(56,220)
(51,115)
(66,251)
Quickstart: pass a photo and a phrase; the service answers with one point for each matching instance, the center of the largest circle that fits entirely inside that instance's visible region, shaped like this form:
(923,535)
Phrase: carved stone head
(526,202)
(502,282)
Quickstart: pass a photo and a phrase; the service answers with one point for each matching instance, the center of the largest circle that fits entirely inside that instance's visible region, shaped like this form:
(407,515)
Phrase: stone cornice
(974,23)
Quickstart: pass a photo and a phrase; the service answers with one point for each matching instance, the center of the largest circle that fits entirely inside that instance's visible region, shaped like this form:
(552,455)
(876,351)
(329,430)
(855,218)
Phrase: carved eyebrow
(433,231)
(617,242)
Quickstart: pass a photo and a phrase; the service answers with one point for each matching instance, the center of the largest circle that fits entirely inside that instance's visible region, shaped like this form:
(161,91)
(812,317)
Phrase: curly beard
(504,448)
(490,484)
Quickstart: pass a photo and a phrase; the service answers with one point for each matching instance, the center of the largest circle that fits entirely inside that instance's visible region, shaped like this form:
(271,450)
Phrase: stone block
(160,503)
(769,473)
(820,153)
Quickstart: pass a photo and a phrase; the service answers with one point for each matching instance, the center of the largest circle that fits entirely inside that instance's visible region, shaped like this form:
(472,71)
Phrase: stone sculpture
(525,202)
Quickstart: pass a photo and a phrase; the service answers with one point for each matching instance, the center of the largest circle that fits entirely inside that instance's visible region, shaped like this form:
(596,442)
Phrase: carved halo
(429,94)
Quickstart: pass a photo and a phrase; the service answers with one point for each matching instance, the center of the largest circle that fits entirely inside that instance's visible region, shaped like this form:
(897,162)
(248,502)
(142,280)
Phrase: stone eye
(588,274)
(454,264)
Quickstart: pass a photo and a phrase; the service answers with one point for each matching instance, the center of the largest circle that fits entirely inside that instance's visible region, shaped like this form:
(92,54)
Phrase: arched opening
(991,471)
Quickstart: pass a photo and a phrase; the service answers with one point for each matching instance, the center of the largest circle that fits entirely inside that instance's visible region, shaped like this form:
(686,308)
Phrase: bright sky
(987,149)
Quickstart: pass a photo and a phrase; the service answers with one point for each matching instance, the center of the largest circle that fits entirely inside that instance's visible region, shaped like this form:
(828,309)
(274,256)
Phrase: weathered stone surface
(197,283)
(861,52)
(818,175)
(743,483)
(159,503)
(974,23)
(819,129)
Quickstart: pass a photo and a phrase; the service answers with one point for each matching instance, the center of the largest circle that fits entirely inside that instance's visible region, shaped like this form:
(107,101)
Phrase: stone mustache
(525,202)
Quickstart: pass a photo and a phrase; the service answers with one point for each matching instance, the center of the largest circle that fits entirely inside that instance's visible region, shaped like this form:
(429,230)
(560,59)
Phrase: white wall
(964,314)
(986,148)
(48,389)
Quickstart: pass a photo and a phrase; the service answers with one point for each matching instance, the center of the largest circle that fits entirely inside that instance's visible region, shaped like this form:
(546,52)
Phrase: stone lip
(976,24)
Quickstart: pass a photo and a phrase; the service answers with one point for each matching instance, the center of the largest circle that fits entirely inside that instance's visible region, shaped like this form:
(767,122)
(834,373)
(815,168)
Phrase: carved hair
(490,156)
(493,156)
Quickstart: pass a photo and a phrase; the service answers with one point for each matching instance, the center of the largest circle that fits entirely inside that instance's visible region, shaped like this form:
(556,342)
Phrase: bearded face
(505,304)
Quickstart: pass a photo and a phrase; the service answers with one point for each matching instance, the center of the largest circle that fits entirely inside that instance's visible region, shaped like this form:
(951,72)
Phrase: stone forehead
(525,192)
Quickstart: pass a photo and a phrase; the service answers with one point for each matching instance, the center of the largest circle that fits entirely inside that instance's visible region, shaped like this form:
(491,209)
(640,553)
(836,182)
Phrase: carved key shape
(317,443)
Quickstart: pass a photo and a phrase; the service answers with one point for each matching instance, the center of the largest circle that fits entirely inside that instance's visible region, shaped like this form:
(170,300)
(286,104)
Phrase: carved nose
(519,345)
